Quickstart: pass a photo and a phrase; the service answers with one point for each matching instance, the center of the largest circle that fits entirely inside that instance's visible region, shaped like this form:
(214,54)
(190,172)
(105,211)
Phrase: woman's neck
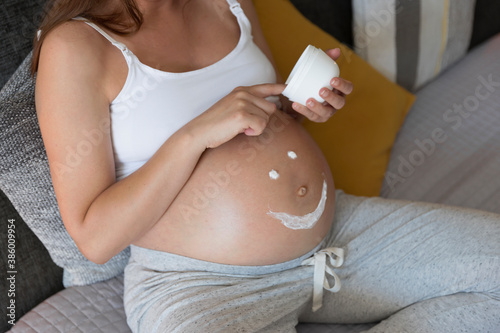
(156,8)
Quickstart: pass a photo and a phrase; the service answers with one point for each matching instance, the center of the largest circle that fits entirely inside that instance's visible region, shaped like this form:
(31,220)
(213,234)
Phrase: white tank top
(153,104)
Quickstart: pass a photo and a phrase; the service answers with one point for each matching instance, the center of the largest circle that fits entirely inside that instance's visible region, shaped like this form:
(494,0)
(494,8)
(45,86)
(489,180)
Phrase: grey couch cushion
(87,309)
(448,149)
(25,179)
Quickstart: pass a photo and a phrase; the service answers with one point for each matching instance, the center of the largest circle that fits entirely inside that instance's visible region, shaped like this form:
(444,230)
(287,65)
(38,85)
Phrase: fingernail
(335,82)
(324,92)
(310,103)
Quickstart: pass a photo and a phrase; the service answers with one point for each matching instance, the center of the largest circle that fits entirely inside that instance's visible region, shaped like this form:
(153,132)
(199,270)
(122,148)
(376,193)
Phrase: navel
(302,191)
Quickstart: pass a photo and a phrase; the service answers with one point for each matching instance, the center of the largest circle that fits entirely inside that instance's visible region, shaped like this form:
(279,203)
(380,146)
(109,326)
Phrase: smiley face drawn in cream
(307,221)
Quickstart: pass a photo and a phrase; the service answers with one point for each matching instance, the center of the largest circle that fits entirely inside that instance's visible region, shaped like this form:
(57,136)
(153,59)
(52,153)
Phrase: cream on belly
(306,221)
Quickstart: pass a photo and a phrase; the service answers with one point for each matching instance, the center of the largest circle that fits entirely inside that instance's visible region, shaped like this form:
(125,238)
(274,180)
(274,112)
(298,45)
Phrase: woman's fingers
(334,98)
(334,53)
(266,89)
(315,111)
(342,85)
(254,124)
(259,110)
(257,94)
(250,118)
(245,110)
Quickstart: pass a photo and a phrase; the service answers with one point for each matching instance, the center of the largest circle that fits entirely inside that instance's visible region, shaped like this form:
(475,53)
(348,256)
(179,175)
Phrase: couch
(444,147)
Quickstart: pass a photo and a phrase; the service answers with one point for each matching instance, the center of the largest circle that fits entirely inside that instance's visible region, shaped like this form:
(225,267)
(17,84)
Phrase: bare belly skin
(221,214)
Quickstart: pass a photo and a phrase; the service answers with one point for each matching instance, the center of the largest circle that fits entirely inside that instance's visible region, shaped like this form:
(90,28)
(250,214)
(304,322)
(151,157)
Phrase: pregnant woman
(201,166)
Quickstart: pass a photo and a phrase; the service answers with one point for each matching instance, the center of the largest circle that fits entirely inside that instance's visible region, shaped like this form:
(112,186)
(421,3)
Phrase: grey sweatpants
(413,267)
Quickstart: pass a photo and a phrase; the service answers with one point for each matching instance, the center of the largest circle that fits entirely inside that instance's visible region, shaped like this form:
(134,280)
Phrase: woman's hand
(244,110)
(334,100)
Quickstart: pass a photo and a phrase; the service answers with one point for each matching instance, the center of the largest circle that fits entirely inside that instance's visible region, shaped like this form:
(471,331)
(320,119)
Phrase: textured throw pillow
(358,139)
(25,180)
(412,41)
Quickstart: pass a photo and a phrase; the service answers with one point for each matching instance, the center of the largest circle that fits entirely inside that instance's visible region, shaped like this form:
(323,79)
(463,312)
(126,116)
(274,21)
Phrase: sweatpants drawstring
(322,267)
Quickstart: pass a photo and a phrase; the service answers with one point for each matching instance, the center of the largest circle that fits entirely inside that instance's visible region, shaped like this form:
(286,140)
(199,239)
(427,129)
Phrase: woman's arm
(101,215)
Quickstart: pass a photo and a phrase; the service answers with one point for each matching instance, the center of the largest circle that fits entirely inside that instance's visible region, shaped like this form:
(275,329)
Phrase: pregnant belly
(252,201)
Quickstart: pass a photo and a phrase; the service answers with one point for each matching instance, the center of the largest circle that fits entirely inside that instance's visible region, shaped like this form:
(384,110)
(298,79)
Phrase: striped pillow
(412,41)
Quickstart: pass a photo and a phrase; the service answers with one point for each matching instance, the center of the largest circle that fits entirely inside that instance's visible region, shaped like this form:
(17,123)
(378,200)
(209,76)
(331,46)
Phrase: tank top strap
(237,11)
(119,45)
(235,6)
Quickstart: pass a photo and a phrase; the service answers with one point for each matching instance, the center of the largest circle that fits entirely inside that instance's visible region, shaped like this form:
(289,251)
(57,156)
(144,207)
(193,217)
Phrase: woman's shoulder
(73,57)
(77,44)
(75,50)
(75,37)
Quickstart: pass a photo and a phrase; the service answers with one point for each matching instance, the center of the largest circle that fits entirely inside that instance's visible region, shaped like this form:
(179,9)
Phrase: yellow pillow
(358,139)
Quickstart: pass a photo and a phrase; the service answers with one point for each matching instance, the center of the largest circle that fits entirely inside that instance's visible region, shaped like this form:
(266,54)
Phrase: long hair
(123,21)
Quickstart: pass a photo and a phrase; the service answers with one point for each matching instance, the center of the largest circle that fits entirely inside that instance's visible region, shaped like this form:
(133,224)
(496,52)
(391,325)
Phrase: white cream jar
(313,71)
